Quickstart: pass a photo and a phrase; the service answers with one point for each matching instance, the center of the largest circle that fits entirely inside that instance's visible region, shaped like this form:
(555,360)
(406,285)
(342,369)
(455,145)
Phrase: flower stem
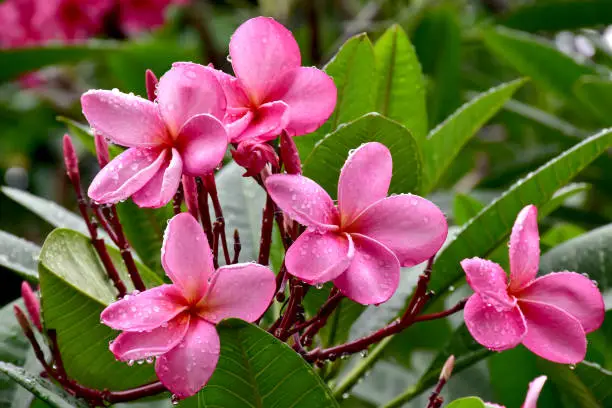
(267,223)
(237,247)
(211,187)
(204,211)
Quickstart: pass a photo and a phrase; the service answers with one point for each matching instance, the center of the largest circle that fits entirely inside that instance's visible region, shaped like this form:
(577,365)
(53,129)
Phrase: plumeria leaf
(445,141)
(465,207)
(536,58)
(324,163)
(467,402)
(75,290)
(596,94)
(19,255)
(85,136)
(13,349)
(44,389)
(353,70)
(401,88)
(257,370)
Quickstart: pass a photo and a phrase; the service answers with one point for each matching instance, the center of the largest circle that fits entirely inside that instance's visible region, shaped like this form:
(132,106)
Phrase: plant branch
(204,211)
(267,223)
(211,187)
(320,319)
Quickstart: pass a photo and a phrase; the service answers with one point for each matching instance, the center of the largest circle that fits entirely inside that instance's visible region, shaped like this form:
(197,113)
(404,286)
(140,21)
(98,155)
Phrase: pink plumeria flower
(533,393)
(272,92)
(176,323)
(71,20)
(549,315)
(360,244)
(180,133)
(141,15)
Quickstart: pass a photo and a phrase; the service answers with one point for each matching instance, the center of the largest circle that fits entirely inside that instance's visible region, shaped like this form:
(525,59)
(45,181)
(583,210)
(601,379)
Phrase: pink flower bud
(101,150)
(447,369)
(190,190)
(151,82)
(71,160)
(23,321)
(289,154)
(32,304)
(253,156)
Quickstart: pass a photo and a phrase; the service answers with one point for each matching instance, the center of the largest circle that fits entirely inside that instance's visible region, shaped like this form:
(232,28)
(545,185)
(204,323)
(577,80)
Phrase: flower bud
(190,191)
(289,154)
(32,304)
(23,321)
(71,160)
(101,150)
(253,156)
(447,369)
(151,84)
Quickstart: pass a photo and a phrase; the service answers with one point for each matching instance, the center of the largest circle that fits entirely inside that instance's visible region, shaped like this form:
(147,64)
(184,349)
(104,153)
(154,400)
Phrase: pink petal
(144,311)
(186,368)
(127,120)
(266,123)
(373,275)
(237,124)
(140,345)
(187,90)
(303,200)
(410,226)
(186,256)
(234,93)
(242,291)
(311,97)
(572,292)
(533,393)
(496,330)
(488,280)
(364,179)
(126,174)
(319,257)
(261,51)
(202,143)
(552,333)
(524,248)
(163,186)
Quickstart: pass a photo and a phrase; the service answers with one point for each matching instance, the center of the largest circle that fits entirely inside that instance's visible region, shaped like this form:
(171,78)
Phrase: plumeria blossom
(253,156)
(141,15)
(549,315)
(361,243)
(533,393)
(272,92)
(176,323)
(179,133)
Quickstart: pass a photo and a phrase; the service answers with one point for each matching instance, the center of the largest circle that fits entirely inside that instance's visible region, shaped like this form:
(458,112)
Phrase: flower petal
(524,248)
(572,292)
(186,368)
(410,226)
(237,124)
(552,333)
(496,330)
(186,256)
(127,120)
(126,174)
(488,279)
(303,200)
(242,291)
(266,123)
(261,51)
(163,186)
(187,90)
(533,392)
(140,345)
(311,97)
(319,257)
(373,275)
(144,311)
(364,179)
(234,93)
(202,143)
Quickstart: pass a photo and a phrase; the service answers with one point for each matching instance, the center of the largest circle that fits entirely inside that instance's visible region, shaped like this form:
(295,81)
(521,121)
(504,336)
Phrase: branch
(211,186)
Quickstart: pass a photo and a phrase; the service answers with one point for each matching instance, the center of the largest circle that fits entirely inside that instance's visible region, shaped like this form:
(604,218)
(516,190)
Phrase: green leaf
(42,388)
(445,141)
(465,208)
(559,15)
(19,255)
(353,70)
(401,89)
(589,253)
(562,195)
(85,136)
(13,349)
(324,163)
(537,58)
(467,402)
(257,370)
(595,93)
(75,290)
(493,224)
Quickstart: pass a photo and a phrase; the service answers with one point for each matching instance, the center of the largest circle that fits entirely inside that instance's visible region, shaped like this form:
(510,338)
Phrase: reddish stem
(205,212)
(211,186)
(267,223)
(237,246)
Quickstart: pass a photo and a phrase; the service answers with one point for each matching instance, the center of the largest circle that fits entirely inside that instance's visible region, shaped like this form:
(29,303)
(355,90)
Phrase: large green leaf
(44,389)
(19,255)
(491,226)
(353,70)
(465,207)
(13,349)
(536,58)
(596,94)
(400,86)
(257,370)
(324,163)
(445,141)
(75,290)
